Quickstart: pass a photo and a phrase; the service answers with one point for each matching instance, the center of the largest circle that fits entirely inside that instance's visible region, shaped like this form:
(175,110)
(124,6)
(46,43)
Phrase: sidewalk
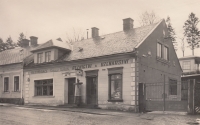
(96,111)
(79,109)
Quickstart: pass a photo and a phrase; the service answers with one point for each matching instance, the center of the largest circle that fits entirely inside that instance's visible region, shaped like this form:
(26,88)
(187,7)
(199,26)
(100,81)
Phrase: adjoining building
(190,66)
(191,82)
(113,65)
(11,71)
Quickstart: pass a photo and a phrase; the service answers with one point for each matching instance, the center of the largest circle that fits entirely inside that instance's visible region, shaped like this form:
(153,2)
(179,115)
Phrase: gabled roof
(15,55)
(114,43)
(53,43)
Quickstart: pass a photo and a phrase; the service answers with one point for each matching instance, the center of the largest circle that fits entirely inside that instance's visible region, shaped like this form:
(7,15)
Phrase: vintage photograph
(99,62)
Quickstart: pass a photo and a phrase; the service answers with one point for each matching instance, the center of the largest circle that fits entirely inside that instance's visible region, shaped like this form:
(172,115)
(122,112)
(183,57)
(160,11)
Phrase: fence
(171,96)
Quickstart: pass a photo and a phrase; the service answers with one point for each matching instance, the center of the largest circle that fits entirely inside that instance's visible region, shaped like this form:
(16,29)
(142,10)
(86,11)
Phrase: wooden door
(91,90)
(71,89)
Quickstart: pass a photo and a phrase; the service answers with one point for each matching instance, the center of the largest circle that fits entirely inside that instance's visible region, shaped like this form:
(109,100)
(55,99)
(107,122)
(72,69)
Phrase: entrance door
(91,90)
(71,89)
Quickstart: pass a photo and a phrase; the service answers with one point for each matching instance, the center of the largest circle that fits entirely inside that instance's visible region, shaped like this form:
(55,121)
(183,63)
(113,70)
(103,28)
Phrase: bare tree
(147,18)
(75,35)
(182,45)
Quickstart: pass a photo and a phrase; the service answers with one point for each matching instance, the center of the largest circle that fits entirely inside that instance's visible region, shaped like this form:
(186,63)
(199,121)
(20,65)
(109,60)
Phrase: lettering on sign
(86,66)
(39,71)
(117,62)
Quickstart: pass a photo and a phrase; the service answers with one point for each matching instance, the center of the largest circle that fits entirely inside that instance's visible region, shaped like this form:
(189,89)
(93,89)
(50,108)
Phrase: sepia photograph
(99,62)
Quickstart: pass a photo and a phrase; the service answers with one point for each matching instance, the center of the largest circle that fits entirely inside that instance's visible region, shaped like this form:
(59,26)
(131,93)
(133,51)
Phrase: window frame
(42,87)
(170,92)
(183,67)
(159,50)
(39,59)
(4,83)
(48,55)
(14,83)
(166,48)
(115,71)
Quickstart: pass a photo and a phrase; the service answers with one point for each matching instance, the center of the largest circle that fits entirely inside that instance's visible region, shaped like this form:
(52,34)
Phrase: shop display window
(115,84)
(44,87)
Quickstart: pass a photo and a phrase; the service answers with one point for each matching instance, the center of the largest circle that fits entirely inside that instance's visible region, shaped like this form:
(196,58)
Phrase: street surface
(12,115)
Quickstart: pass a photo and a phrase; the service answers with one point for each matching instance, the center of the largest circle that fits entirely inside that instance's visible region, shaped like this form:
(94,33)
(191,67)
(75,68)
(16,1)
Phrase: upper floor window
(6,84)
(186,66)
(16,83)
(166,53)
(40,56)
(48,56)
(172,87)
(159,50)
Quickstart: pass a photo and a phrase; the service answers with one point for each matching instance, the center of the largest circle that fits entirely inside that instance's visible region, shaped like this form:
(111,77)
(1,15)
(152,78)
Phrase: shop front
(105,83)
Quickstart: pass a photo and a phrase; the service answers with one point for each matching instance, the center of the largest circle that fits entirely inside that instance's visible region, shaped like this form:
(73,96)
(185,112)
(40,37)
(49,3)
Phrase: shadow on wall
(17,101)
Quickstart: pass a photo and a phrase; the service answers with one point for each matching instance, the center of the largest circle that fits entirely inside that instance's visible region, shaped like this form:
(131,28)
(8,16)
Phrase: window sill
(44,96)
(16,91)
(6,92)
(119,100)
(162,60)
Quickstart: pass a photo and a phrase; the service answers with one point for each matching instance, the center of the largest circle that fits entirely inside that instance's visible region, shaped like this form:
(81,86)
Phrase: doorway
(91,86)
(71,90)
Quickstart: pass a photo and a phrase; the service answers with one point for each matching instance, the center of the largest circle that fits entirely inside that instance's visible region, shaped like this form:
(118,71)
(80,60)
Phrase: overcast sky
(50,19)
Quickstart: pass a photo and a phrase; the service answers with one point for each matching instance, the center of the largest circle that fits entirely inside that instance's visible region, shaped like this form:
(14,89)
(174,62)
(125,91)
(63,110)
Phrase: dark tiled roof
(15,55)
(53,43)
(119,42)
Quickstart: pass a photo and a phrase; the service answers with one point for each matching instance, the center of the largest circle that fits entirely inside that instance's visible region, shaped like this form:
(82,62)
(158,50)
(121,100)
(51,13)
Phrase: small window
(186,66)
(48,56)
(166,53)
(6,84)
(44,87)
(40,56)
(159,50)
(16,83)
(115,84)
(172,87)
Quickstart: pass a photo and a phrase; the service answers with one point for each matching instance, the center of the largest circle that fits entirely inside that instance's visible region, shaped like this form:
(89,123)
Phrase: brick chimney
(33,41)
(127,24)
(95,32)
(25,42)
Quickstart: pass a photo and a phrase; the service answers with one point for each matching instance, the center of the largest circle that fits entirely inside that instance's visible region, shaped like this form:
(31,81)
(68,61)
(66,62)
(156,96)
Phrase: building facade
(11,71)
(112,68)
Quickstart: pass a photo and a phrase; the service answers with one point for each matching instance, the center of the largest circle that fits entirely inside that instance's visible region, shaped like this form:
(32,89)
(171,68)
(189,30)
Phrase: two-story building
(11,71)
(190,67)
(113,65)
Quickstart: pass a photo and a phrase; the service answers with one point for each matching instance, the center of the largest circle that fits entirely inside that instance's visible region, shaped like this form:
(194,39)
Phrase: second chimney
(127,24)
(95,32)
(25,42)
(33,41)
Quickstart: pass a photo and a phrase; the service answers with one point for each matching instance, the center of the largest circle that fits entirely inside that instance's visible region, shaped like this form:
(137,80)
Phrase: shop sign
(117,62)
(86,66)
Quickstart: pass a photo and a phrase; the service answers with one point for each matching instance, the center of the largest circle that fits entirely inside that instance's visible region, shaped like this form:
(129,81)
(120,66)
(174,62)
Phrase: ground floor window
(16,83)
(44,87)
(6,84)
(172,87)
(115,84)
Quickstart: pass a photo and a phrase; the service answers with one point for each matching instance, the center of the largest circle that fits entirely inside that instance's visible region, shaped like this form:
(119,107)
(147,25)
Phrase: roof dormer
(51,50)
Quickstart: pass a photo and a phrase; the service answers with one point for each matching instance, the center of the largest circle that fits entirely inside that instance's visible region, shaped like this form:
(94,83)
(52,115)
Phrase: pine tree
(191,32)
(2,45)
(21,37)
(10,44)
(172,34)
